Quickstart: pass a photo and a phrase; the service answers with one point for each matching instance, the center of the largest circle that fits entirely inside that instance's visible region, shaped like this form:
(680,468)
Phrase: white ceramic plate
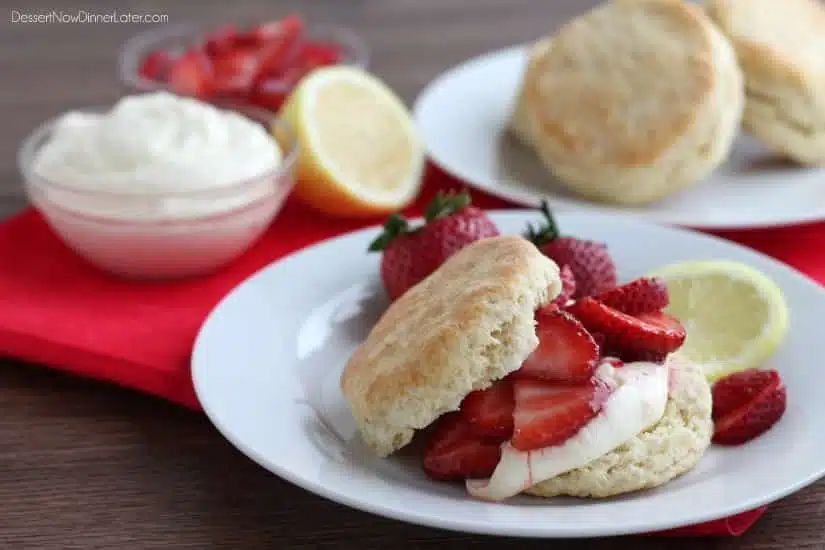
(463,115)
(267,361)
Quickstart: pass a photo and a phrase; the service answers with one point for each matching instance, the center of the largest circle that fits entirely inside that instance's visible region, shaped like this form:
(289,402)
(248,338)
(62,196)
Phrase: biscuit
(670,448)
(468,324)
(520,121)
(781,49)
(635,100)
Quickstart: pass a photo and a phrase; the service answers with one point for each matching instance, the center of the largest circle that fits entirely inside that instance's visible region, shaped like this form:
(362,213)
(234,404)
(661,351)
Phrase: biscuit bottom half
(669,449)
(788,122)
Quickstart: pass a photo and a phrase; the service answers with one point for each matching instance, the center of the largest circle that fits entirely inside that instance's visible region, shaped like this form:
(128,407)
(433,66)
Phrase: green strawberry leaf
(446,204)
(545,233)
(393,227)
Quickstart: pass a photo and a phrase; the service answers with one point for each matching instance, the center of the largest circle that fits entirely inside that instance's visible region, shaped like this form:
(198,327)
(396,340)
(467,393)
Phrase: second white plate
(463,116)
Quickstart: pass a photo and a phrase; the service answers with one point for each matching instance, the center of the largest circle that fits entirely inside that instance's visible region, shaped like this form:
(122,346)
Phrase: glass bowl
(151,234)
(179,37)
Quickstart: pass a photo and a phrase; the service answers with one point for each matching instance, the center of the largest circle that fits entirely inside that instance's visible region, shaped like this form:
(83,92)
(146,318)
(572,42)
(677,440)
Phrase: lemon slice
(359,151)
(735,317)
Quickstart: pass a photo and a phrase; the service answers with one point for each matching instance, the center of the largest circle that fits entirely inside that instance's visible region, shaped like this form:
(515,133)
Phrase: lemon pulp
(735,317)
(359,151)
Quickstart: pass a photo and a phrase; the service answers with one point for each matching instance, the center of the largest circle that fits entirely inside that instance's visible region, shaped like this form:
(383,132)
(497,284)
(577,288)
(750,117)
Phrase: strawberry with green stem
(410,254)
(590,262)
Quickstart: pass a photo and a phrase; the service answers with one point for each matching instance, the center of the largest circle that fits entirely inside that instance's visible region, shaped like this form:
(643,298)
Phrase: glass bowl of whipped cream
(159,186)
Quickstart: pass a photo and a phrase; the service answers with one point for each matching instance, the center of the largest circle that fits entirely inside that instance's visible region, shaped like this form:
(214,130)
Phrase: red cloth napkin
(57,310)
(732,526)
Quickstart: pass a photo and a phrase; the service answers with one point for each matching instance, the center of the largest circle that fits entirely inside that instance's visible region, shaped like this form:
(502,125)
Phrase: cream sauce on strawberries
(640,394)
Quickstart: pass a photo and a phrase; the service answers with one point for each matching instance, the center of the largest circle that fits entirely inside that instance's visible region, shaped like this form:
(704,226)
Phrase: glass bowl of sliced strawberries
(236,65)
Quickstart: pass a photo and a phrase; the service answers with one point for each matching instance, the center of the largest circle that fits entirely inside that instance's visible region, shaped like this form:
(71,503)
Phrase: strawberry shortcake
(517,392)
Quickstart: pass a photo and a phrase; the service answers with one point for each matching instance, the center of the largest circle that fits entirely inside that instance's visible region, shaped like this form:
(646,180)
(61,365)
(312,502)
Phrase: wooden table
(86,465)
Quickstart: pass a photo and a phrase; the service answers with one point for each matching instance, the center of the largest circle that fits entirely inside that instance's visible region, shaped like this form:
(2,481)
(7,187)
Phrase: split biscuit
(468,324)
(667,450)
(781,49)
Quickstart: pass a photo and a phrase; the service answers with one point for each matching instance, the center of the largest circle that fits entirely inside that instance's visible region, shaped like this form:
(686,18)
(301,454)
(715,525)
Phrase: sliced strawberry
(568,286)
(220,40)
(453,452)
(279,55)
(617,348)
(664,321)
(319,54)
(547,309)
(599,338)
(271,92)
(191,74)
(566,351)
(643,295)
(737,389)
(235,70)
(746,404)
(155,65)
(548,414)
(287,69)
(634,356)
(309,64)
(656,333)
(290,26)
(489,412)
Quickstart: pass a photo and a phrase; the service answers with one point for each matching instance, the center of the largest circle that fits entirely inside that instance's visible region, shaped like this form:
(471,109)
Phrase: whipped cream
(155,144)
(159,186)
(640,394)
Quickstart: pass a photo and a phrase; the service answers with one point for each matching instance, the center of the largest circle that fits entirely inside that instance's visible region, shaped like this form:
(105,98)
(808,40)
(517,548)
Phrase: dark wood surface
(87,465)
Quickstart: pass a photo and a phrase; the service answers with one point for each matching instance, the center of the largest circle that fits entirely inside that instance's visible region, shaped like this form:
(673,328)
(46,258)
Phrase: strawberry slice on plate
(746,404)
(549,414)
(566,351)
(489,412)
(642,295)
(669,325)
(454,452)
(651,333)
(660,319)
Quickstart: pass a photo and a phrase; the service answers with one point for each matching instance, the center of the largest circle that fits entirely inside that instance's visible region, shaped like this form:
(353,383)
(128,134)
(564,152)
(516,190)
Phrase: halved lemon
(359,150)
(735,316)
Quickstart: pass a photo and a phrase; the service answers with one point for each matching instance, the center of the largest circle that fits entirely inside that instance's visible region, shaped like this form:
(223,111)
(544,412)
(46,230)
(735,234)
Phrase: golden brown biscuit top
(586,91)
(445,327)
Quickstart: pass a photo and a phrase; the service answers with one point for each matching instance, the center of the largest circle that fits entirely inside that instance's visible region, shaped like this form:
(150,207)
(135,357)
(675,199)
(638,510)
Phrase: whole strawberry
(411,254)
(590,262)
